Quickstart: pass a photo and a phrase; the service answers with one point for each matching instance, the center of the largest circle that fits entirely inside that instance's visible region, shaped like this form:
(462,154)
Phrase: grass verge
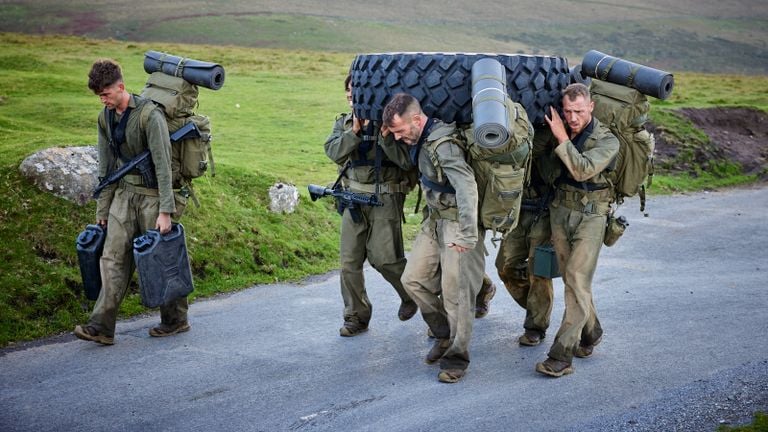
(269,123)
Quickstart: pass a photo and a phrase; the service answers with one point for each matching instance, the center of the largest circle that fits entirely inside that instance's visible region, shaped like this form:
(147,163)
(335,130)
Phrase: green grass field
(269,120)
(713,37)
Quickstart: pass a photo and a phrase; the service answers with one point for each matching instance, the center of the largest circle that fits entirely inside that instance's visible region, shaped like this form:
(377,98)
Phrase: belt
(595,202)
(137,189)
(371,187)
(134,179)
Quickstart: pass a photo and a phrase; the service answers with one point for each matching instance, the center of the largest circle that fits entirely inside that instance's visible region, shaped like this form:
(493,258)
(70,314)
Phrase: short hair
(347,82)
(400,104)
(104,73)
(575,90)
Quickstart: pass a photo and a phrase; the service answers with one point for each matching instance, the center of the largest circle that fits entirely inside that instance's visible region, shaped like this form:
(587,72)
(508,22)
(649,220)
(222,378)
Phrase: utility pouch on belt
(163,266)
(545,262)
(90,245)
(614,229)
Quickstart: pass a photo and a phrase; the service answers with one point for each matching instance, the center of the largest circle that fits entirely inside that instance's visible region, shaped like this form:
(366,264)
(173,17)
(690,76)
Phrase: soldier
(578,216)
(370,165)
(128,208)
(447,258)
(515,260)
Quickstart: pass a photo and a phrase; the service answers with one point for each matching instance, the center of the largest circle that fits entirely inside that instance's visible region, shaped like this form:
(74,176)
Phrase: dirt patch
(737,134)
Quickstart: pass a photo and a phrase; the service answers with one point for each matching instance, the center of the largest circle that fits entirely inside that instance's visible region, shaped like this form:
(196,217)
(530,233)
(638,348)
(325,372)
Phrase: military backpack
(191,152)
(625,111)
(500,172)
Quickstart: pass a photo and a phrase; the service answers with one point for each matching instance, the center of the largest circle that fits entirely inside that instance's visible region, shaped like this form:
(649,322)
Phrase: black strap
(117,135)
(578,142)
(444,188)
(414,151)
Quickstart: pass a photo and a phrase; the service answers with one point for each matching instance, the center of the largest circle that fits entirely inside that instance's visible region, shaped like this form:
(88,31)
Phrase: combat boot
(531,338)
(90,333)
(164,330)
(554,368)
(584,351)
(483,300)
(451,376)
(352,327)
(438,349)
(407,310)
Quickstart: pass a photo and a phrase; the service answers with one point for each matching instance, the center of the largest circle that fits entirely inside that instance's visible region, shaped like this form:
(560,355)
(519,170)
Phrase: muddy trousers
(515,263)
(577,238)
(379,239)
(432,266)
(130,215)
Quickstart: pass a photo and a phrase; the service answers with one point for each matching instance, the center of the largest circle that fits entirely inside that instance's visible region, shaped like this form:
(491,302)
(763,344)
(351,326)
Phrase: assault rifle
(345,199)
(189,130)
(142,162)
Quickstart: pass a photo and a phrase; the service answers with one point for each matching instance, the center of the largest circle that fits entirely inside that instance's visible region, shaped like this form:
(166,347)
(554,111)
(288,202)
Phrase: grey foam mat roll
(489,111)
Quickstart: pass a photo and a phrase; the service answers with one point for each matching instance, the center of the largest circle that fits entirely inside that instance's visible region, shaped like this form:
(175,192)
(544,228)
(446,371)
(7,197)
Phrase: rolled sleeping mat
(208,75)
(578,77)
(490,118)
(646,80)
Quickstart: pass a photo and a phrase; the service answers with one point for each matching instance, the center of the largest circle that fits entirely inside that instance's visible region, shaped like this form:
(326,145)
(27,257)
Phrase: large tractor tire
(442,82)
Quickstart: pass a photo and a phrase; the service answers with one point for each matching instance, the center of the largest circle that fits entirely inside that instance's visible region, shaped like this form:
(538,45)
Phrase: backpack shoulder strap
(146,106)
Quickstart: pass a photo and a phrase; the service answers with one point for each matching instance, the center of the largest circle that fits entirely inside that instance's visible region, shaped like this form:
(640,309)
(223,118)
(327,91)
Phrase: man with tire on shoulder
(447,262)
(578,216)
(515,260)
(370,164)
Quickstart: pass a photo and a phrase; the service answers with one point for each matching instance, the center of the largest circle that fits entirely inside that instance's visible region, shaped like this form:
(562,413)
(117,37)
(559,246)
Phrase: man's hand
(384,130)
(357,124)
(163,223)
(457,248)
(556,125)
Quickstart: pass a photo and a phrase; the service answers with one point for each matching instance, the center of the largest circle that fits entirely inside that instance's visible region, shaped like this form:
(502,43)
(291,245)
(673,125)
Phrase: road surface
(683,299)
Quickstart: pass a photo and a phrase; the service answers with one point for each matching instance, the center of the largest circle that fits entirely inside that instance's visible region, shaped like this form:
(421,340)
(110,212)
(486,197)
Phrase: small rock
(283,198)
(67,172)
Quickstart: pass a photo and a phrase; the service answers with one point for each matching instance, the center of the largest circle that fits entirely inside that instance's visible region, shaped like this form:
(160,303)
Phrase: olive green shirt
(138,137)
(600,149)
(442,159)
(343,145)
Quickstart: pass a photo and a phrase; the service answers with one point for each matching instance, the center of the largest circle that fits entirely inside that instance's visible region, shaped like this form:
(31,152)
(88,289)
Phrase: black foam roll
(208,75)
(646,80)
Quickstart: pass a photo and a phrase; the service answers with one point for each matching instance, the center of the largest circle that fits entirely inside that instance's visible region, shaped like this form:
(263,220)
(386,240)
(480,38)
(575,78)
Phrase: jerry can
(545,262)
(163,266)
(90,244)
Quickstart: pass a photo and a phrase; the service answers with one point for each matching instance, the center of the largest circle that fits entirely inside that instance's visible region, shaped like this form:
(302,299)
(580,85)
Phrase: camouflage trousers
(515,263)
(577,237)
(379,239)
(130,215)
(444,284)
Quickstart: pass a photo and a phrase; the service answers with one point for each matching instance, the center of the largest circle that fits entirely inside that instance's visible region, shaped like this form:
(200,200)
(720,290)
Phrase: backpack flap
(178,97)
(625,111)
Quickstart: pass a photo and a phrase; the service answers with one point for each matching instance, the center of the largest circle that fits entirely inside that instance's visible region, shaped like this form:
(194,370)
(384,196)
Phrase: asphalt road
(683,299)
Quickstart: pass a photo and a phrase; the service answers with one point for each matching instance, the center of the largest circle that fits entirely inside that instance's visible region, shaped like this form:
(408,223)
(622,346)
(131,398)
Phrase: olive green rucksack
(625,111)
(500,172)
(190,156)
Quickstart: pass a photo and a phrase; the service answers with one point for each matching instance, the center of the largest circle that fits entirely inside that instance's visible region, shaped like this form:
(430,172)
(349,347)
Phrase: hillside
(682,35)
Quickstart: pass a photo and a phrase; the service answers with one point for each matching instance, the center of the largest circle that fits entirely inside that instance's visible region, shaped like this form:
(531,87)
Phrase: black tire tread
(442,82)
